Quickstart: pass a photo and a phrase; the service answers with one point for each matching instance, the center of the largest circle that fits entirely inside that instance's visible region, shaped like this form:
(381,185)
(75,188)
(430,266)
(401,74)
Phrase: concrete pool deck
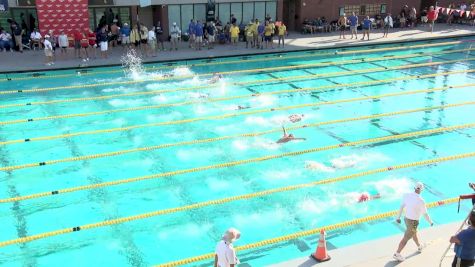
(34,60)
(378,253)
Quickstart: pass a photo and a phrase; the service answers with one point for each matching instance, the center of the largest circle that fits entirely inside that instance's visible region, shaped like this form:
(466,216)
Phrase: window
(383,9)
(174,15)
(373,9)
(341,11)
(271,10)
(200,12)
(186,16)
(236,9)
(363,10)
(224,12)
(260,10)
(247,12)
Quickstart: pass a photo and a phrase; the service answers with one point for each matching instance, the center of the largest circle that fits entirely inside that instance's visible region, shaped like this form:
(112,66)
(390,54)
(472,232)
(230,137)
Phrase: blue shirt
(366,23)
(191,28)
(466,249)
(199,29)
(353,20)
(125,31)
(260,29)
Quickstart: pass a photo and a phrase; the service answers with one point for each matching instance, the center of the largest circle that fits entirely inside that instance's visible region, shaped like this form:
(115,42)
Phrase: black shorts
(366,29)
(268,38)
(463,263)
(77,44)
(143,41)
(113,37)
(342,28)
(136,43)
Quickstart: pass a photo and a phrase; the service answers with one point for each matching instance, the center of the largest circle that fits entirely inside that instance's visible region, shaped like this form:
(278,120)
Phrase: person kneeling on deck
(465,245)
(225,254)
(288,137)
(415,207)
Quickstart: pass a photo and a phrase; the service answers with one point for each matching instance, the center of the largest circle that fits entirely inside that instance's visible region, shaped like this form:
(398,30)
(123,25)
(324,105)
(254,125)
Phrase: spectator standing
(260,38)
(152,42)
(135,36)
(114,33)
(255,33)
(63,43)
(353,19)
(103,42)
(366,27)
(225,253)
(191,32)
(432,17)
(211,30)
(272,26)
(85,46)
(233,19)
(465,245)
(143,32)
(268,34)
(424,18)
(388,23)
(234,32)
(226,30)
(92,39)
(18,33)
(415,207)
(125,35)
(249,35)
(175,35)
(412,17)
(35,39)
(160,36)
(402,20)
(342,22)
(199,32)
(48,51)
(6,41)
(77,43)
(282,30)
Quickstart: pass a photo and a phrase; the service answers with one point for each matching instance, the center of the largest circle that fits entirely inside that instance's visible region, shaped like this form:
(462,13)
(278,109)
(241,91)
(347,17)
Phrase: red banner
(62,15)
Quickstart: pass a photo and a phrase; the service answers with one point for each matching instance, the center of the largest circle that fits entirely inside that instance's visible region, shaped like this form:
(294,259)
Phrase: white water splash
(132,64)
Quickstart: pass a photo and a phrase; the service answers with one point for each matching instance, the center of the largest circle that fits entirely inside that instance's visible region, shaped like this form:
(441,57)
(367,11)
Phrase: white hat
(174,23)
(231,235)
(126,24)
(47,36)
(419,186)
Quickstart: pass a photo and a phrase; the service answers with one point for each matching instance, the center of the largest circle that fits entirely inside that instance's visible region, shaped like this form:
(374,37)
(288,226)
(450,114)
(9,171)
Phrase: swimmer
(216,77)
(239,107)
(295,118)
(367,197)
(168,75)
(288,137)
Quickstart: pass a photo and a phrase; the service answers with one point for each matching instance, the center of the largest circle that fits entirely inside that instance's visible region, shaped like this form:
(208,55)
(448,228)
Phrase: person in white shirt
(225,254)
(6,41)
(175,33)
(152,42)
(415,207)
(48,51)
(388,23)
(63,43)
(35,38)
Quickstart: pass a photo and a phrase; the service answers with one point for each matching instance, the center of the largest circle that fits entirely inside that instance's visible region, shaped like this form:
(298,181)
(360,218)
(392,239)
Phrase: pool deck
(378,253)
(34,60)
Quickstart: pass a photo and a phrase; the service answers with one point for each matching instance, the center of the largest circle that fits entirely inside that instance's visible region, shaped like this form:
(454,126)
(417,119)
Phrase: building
(292,12)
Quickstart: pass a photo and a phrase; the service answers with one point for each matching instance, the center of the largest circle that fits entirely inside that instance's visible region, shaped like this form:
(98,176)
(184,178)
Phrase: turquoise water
(180,235)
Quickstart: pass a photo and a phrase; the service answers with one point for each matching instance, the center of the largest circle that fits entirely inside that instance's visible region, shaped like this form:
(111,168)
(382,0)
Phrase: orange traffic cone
(321,254)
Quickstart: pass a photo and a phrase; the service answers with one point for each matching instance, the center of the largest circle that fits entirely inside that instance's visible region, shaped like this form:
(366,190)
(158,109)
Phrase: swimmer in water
(216,77)
(295,118)
(239,107)
(168,75)
(367,197)
(288,137)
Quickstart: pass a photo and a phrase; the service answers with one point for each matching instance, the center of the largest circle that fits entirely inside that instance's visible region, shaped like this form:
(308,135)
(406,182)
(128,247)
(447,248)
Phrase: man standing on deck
(415,207)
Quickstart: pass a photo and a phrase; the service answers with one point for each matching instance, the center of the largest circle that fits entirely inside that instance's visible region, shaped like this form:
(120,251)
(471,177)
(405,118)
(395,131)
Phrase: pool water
(105,144)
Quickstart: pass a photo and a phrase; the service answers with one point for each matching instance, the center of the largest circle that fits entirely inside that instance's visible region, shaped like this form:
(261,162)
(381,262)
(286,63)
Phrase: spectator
(191,32)
(63,43)
(48,51)
(234,32)
(174,35)
(272,26)
(432,17)
(282,30)
(143,32)
(211,31)
(152,42)
(198,35)
(353,19)
(260,32)
(388,23)
(402,20)
(254,27)
(415,207)
(85,45)
(366,27)
(135,36)
(268,35)
(114,33)
(103,42)
(35,39)
(77,43)
(342,22)
(6,41)
(465,244)
(125,35)
(249,35)
(53,39)
(227,29)
(225,254)
(424,16)
(92,39)
(233,19)
(412,17)
(160,36)
(18,33)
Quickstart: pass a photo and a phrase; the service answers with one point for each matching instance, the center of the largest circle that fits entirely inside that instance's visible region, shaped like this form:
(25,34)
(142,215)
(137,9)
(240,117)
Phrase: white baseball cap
(419,186)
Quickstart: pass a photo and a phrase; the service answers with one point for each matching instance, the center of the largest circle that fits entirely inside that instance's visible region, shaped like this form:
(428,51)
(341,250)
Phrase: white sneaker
(398,257)
(420,248)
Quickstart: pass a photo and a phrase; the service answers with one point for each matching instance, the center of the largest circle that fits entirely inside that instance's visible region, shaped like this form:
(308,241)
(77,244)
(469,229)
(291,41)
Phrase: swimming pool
(105,168)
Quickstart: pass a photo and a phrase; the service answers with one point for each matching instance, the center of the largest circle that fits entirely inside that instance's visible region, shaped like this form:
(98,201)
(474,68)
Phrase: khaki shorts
(48,53)
(411,228)
(234,40)
(211,38)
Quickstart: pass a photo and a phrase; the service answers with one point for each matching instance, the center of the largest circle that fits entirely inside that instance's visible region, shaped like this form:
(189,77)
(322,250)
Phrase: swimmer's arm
(285,133)
(299,139)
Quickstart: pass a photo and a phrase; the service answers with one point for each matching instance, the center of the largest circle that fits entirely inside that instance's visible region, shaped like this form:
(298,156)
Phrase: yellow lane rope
(301,234)
(247,161)
(230,115)
(230,73)
(293,78)
(161,212)
(249,60)
(221,138)
(139,108)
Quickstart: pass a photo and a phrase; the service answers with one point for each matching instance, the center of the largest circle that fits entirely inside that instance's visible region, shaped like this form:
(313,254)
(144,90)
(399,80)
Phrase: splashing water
(132,64)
